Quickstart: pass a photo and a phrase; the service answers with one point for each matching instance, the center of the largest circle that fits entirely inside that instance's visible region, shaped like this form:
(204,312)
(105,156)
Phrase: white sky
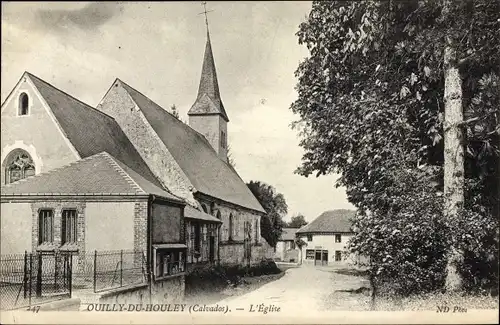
(157,48)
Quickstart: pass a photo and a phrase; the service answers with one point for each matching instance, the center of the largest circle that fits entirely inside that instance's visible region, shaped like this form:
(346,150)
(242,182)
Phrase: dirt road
(301,290)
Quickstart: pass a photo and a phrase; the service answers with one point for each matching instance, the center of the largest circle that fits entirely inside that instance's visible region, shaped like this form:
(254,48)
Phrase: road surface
(301,290)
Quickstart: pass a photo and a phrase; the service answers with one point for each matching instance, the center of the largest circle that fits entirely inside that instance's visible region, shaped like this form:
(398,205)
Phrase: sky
(157,48)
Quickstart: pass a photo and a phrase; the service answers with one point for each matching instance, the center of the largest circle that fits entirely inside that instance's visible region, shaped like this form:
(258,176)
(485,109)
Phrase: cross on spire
(205,11)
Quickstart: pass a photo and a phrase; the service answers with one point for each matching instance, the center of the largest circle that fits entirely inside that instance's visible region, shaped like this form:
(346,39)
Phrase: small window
(309,254)
(309,237)
(256,231)
(218,215)
(338,238)
(68,227)
(23,104)
(231,226)
(45,226)
(223,139)
(169,263)
(338,256)
(292,245)
(204,207)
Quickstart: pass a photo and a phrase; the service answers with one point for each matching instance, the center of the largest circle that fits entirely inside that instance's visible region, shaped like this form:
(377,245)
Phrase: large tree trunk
(453,149)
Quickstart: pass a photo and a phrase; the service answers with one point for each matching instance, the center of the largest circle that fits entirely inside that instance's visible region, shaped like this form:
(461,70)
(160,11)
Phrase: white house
(326,238)
(286,249)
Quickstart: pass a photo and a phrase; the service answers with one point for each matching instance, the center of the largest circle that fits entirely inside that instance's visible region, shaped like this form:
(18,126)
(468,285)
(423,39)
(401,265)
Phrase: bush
(218,277)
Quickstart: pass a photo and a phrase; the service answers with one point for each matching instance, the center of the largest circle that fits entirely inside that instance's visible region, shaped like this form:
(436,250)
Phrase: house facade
(326,238)
(286,248)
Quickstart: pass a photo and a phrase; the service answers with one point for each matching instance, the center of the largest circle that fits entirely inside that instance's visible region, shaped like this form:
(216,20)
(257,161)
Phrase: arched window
(23,104)
(18,165)
(231,226)
(218,215)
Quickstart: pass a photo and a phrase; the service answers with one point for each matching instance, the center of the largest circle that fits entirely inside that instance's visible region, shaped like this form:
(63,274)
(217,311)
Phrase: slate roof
(89,130)
(208,100)
(193,213)
(194,154)
(330,221)
(100,174)
(288,234)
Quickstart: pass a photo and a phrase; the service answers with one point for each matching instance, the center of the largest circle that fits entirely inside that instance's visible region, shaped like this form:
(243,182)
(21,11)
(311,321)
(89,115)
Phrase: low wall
(170,290)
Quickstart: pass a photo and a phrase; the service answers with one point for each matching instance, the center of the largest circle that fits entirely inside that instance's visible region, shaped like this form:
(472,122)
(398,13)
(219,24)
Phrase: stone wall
(231,248)
(166,291)
(118,104)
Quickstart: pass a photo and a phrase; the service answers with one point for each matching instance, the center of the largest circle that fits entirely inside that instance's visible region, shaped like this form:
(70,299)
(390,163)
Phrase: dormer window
(23,104)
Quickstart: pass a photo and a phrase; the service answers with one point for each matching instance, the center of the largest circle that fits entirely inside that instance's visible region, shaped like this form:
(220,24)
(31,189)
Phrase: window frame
(338,256)
(231,227)
(158,266)
(21,109)
(9,166)
(310,252)
(41,229)
(338,238)
(73,224)
(309,238)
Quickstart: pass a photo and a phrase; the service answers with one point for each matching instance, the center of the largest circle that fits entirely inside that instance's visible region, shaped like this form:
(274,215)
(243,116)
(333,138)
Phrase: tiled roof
(89,130)
(100,174)
(194,154)
(330,221)
(192,213)
(288,234)
(208,100)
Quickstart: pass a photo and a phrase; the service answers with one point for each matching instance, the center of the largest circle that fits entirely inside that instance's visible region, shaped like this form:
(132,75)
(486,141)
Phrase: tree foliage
(297,221)
(276,208)
(371,109)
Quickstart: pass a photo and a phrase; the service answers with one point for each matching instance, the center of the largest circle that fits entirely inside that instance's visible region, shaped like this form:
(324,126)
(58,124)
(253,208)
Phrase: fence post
(121,268)
(95,270)
(25,275)
(39,276)
(70,274)
(31,277)
(56,255)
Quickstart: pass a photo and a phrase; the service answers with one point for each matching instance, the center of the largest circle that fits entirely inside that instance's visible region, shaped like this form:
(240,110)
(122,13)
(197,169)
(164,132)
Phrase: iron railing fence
(33,278)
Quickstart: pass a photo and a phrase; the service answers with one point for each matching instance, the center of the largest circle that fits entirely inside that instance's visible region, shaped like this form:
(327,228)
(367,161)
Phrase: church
(126,174)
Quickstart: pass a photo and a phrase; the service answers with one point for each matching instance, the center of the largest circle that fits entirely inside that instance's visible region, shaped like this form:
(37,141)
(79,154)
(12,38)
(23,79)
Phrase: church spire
(208,100)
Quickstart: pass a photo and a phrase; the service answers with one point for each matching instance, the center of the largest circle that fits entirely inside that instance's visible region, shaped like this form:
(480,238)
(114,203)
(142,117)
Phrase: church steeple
(207,115)
(208,101)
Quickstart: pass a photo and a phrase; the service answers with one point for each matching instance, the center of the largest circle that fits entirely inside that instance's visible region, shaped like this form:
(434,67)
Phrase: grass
(433,300)
(356,296)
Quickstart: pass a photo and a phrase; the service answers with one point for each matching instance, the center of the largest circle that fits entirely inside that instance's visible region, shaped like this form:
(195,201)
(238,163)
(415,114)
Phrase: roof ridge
(67,94)
(51,171)
(123,173)
(140,93)
(163,109)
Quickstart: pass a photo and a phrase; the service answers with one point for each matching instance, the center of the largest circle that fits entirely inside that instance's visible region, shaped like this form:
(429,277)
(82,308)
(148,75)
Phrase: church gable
(30,132)
(125,110)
